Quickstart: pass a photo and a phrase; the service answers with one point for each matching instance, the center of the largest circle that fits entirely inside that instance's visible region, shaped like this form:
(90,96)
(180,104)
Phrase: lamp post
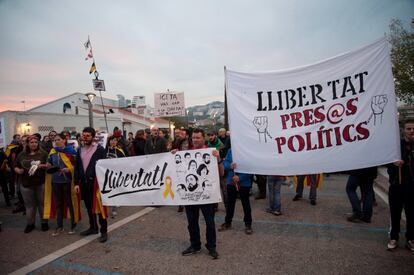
(91,97)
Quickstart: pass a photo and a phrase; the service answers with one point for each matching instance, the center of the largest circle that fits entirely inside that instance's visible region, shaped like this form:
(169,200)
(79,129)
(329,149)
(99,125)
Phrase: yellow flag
(93,68)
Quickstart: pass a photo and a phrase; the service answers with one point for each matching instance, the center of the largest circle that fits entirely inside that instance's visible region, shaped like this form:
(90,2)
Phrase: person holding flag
(60,199)
(237,183)
(314,181)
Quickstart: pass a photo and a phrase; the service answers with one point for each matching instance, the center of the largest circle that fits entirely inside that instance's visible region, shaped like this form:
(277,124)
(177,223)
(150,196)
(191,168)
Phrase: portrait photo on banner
(183,178)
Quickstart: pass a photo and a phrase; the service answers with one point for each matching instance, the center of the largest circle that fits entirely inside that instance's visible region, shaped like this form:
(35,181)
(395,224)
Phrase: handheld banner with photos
(185,178)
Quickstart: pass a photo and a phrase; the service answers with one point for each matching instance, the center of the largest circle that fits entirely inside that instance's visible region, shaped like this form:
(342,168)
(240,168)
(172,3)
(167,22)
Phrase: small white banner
(101,139)
(169,104)
(339,114)
(185,178)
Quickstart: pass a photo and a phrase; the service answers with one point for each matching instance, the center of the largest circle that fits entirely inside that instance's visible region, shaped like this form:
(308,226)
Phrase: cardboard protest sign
(169,104)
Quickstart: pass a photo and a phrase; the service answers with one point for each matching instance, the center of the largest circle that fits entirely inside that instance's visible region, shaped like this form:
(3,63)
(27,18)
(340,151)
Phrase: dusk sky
(142,47)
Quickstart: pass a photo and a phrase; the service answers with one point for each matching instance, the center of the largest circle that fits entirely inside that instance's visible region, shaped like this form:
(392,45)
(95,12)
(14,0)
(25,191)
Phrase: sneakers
(45,226)
(213,253)
(410,245)
(248,230)
(224,227)
(313,202)
(103,238)
(72,229)
(296,197)
(29,228)
(114,214)
(58,231)
(274,212)
(392,244)
(277,213)
(190,251)
(88,232)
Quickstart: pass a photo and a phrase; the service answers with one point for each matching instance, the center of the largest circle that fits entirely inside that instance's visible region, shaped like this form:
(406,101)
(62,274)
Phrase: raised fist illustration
(261,123)
(378,103)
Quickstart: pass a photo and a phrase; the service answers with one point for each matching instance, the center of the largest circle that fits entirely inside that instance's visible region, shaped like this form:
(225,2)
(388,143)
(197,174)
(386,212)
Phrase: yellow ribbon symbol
(168,190)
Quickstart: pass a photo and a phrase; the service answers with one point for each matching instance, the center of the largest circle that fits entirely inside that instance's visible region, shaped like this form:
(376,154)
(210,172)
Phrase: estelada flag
(93,68)
(308,180)
(49,201)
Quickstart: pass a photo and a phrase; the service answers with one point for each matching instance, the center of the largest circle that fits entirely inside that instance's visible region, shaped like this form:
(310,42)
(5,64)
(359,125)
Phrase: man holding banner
(401,190)
(193,212)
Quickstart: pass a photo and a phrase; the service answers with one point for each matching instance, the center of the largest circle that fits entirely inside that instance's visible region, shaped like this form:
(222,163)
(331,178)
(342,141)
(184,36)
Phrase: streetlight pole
(91,97)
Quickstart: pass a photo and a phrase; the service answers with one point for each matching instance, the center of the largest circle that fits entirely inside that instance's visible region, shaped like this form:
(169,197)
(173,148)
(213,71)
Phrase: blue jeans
(367,195)
(274,184)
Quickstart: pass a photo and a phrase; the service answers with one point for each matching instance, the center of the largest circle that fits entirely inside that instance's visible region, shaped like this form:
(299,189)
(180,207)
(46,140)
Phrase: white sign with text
(339,114)
(185,178)
(169,104)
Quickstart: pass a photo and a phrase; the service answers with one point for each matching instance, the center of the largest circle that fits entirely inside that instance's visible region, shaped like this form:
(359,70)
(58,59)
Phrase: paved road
(304,240)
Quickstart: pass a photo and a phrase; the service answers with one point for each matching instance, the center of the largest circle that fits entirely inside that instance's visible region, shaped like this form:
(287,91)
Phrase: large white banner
(339,114)
(169,104)
(185,178)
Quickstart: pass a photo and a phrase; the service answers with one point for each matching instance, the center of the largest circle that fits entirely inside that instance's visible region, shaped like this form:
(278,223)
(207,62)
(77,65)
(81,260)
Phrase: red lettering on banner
(323,137)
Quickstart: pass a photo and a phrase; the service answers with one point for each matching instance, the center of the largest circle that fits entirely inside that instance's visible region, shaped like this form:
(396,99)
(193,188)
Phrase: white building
(71,113)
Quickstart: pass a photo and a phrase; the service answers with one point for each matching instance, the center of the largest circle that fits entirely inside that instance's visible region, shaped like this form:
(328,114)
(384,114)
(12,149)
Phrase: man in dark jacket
(401,190)
(139,143)
(155,144)
(85,181)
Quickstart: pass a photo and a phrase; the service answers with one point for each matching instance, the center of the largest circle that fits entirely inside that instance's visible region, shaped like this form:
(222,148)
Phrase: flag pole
(96,73)
(226,119)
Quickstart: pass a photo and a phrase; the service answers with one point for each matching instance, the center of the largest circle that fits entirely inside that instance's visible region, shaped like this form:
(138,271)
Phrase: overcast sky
(142,47)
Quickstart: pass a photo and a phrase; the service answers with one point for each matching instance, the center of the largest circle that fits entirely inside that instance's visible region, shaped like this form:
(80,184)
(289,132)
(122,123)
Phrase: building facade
(71,113)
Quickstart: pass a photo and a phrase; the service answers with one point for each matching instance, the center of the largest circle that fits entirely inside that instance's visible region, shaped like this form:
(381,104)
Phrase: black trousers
(193,213)
(12,184)
(5,190)
(261,181)
(401,196)
(231,203)
(87,196)
(62,195)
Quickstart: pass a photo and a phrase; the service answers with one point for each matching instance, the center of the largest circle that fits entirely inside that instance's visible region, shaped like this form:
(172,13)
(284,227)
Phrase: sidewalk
(306,239)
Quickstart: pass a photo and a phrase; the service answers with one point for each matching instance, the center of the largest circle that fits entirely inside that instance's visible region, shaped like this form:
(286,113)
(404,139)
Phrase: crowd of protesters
(49,175)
